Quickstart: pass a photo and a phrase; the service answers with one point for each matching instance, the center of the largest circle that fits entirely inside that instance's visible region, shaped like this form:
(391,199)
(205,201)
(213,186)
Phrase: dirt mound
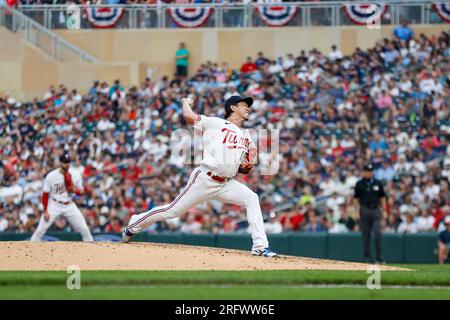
(26,255)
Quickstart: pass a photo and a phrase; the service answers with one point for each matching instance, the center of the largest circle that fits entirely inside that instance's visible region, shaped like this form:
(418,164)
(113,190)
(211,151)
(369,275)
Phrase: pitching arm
(189,115)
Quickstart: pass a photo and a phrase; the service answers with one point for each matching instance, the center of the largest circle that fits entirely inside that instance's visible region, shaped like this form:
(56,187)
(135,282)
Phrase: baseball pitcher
(228,149)
(59,187)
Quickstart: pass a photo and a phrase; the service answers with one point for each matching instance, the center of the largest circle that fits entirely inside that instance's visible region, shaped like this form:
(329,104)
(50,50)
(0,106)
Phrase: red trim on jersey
(45,200)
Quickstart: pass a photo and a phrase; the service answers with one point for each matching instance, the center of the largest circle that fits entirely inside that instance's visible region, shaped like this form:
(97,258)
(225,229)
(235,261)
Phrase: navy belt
(62,202)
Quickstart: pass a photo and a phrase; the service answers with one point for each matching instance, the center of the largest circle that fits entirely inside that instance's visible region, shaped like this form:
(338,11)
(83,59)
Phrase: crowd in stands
(388,105)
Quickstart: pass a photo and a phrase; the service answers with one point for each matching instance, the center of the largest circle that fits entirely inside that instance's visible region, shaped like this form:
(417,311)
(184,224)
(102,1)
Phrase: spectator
(428,85)
(94,89)
(307,199)
(432,189)
(114,225)
(261,60)
(3,224)
(401,167)
(384,100)
(60,225)
(117,91)
(192,225)
(335,54)
(249,66)
(404,32)
(446,171)
(425,222)
(334,202)
(181,64)
(378,143)
(275,67)
(273,225)
(292,220)
(444,241)
(386,172)
(314,226)
(408,226)
(289,62)
(437,212)
(347,220)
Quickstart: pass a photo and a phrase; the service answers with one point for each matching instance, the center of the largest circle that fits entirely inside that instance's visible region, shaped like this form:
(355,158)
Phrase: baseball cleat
(126,235)
(266,252)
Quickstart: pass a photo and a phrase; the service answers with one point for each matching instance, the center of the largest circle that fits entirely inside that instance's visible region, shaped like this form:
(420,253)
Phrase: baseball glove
(246,166)
(69,183)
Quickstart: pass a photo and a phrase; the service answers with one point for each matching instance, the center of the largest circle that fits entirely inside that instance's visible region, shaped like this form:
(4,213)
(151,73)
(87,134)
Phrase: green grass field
(425,282)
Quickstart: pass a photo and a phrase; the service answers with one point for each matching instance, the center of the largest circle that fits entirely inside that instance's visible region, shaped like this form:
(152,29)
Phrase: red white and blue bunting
(193,17)
(364,14)
(103,17)
(276,16)
(443,10)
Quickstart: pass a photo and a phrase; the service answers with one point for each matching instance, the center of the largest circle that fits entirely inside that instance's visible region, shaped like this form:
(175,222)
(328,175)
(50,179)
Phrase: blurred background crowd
(388,105)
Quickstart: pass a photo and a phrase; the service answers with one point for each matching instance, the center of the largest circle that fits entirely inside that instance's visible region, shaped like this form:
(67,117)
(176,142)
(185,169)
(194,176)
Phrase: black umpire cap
(64,158)
(368,167)
(233,100)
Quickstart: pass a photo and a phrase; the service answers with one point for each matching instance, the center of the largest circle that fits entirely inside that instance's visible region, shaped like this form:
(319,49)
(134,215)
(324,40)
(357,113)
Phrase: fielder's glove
(69,183)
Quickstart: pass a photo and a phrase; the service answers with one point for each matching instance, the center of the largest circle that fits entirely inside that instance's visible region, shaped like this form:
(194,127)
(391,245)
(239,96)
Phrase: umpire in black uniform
(372,207)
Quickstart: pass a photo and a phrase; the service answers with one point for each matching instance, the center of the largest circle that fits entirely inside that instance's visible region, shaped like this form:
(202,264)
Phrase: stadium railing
(329,13)
(41,37)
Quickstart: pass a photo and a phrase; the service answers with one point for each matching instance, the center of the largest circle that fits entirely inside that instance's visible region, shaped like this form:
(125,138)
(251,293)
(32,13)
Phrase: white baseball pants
(202,187)
(70,212)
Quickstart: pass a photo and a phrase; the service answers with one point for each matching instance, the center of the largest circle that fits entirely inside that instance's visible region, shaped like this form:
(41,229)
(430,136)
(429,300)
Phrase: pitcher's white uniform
(224,146)
(60,204)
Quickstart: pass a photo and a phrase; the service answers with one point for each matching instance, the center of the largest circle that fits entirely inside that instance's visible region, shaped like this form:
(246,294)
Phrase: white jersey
(224,145)
(54,184)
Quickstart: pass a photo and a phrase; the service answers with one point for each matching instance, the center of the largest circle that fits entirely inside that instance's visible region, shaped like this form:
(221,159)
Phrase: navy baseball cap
(368,167)
(233,100)
(64,158)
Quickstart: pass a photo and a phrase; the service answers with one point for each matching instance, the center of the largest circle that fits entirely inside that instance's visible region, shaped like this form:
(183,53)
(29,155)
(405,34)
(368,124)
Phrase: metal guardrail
(327,13)
(41,37)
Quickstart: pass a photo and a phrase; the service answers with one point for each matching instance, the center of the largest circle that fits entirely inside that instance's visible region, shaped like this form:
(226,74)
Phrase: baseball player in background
(59,187)
(228,149)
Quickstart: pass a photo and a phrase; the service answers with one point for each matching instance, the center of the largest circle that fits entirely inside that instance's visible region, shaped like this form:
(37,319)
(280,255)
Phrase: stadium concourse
(388,105)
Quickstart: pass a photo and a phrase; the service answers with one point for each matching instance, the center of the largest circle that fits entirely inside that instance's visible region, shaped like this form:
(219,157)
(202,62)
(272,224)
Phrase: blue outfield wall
(397,248)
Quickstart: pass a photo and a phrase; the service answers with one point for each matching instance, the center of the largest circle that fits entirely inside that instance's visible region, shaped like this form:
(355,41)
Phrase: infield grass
(424,282)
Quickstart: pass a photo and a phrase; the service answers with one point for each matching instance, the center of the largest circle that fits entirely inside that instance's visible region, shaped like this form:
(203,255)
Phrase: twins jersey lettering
(224,145)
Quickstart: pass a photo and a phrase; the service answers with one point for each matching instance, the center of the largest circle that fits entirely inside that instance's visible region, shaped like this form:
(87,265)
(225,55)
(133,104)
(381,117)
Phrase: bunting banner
(276,16)
(193,17)
(443,10)
(103,17)
(364,14)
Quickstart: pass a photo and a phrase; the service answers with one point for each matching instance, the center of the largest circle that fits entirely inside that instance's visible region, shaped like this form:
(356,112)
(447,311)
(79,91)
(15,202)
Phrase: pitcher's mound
(150,256)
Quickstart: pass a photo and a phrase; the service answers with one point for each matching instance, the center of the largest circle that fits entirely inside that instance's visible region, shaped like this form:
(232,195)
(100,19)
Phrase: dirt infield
(24,255)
